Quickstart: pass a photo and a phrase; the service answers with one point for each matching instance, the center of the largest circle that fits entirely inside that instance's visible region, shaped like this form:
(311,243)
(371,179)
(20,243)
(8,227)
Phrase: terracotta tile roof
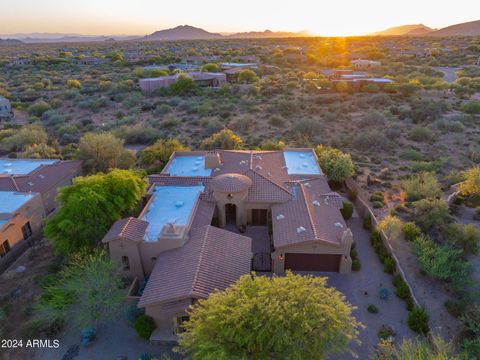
(45,177)
(308,217)
(230,183)
(233,162)
(203,215)
(7,183)
(266,190)
(211,259)
(271,164)
(129,228)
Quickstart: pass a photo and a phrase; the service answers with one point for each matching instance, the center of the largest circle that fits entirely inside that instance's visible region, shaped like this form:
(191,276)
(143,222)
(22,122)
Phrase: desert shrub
(412,154)
(372,309)
(377,196)
(74,84)
(276,120)
(418,320)
(307,127)
(224,139)
(454,308)
(402,291)
(472,107)
(464,236)
(133,313)
(421,186)
(471,181)
(441,262)
(426,166)
(347,210)
(389,265)
(391,226)
(372,118)
(144,325)
(38,108)
(411,231)
(356,265)
(367,222)
(371,140)
(378,204)
(446,126)
(421,134)
(431,215)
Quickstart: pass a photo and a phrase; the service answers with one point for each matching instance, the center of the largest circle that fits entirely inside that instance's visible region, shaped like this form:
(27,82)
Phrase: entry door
(259,217)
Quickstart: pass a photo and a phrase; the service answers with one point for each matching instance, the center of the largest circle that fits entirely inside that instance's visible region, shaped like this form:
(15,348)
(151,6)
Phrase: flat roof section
(170,204)
(10,201)
(22,166)
(189,165)
(301,163)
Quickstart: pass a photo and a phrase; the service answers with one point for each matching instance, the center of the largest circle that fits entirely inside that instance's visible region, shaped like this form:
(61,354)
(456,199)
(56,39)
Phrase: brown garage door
(312,262)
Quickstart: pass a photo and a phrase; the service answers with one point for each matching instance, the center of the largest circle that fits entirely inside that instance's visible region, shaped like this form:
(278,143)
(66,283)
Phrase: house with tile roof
(213,216)
(28,191)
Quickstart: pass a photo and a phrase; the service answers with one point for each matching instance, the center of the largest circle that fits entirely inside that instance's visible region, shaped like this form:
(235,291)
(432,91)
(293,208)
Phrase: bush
(431,214)
(465,237)
(421,186)
(144,325)
(377,196)
(418,320)
(472,107)
(454,308)
(411,231)
(389,265)
(356,265)
(347,210)
(133,313)
(367,222)
(372,309)
(402,291)
(337,165)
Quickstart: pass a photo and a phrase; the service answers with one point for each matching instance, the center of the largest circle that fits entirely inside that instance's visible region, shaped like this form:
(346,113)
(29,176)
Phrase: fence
(361,203)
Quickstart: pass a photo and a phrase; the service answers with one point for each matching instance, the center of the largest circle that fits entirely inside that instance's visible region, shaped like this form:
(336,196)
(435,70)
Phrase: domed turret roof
(231,183)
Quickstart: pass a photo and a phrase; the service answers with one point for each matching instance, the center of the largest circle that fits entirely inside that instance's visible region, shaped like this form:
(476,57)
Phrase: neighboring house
(365,64)
(204,79)
(21,216)
(19,62)
(38,176)
(231,65)
(5,108)
(357,80)
(213,216)
(92,61)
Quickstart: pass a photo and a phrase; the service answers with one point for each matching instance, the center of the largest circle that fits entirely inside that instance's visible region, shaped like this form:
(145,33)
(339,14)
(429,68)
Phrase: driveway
(113,340)
(361,289)
(449,74)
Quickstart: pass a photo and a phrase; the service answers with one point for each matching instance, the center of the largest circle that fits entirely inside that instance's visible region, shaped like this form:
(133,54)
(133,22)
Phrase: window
(179,328)
(126,263)
(4,248)
(26,230)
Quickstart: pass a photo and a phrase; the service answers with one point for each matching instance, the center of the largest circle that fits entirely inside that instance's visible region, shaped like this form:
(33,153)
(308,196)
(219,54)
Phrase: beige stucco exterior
(32,212)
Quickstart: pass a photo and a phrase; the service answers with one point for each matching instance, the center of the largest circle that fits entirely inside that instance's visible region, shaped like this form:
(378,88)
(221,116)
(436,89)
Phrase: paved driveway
(362,288)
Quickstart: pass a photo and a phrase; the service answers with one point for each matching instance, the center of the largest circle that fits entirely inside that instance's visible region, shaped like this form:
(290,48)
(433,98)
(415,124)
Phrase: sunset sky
(140,17)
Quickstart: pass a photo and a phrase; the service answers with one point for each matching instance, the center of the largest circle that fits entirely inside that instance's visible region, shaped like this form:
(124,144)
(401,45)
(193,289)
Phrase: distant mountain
(183,32)
(10,42)
(267,34)
(35,38)
(410,30)
(471,28)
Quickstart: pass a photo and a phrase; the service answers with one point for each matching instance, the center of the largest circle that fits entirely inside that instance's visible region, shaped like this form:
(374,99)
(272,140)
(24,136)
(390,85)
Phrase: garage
(259,217)
(312,262)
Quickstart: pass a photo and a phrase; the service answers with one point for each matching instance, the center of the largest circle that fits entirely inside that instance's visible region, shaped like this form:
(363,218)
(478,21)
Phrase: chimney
(212,160)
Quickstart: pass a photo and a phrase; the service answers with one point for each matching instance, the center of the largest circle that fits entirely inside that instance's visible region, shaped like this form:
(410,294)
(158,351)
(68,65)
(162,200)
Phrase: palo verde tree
(160,152)
(290,317)
(88,291)
(90,206)
(337,164)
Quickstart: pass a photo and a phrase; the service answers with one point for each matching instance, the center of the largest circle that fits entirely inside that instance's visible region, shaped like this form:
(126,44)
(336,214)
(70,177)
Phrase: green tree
(337,164)
(224,139)
(183,86)
(247,76)
(211,68)
(422,185)
(471,182)
(391,226)
(102,151)
(431,214)
(27,135)
(290,317)
(159,153)
(441,262)
(90,206)
(40,151)
(417,349)
(91,283)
